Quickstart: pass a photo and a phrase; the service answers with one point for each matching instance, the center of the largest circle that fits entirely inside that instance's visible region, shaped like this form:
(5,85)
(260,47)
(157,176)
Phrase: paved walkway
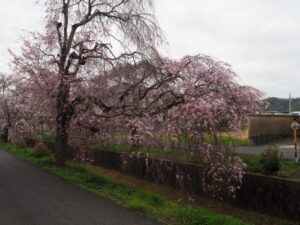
(31,196)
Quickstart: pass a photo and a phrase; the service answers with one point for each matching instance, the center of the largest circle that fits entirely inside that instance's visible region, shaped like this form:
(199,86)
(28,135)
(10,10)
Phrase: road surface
(32,196)
(285,146)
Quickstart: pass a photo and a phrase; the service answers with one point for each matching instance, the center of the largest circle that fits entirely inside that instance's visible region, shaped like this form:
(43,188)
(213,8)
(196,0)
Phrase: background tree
(6,82)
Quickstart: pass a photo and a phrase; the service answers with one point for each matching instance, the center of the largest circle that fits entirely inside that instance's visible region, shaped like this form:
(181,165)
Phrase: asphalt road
(31,196)
(286,147)
(286,150)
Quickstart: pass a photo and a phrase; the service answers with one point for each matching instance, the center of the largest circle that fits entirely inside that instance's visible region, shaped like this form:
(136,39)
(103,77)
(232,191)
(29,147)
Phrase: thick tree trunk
(4,135)
(61,145)
(63,118)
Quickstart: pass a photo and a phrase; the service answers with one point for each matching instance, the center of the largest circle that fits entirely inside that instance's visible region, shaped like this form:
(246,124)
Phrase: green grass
(144,202)
(48,137)
(167,153)
(192,216)
(290,165)
(289,169)
(228,140)
(253,163)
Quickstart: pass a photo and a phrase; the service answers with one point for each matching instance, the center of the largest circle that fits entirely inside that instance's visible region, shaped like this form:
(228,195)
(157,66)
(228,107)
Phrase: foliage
(48,137)
(20,142)
(224,175)
(270,160)
(214,101)
(138,132)
(41,150)
(142,201)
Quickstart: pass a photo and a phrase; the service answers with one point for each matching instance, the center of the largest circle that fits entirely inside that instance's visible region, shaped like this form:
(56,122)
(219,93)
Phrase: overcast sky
(259,38)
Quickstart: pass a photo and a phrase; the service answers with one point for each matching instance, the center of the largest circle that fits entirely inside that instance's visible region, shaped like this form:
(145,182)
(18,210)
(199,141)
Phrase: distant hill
(282,104)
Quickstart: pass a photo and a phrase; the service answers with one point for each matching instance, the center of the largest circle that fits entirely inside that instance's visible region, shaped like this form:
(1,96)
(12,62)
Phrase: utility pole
(290,104)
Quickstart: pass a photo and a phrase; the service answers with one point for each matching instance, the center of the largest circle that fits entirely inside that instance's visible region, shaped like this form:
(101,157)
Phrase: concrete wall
(265,194)
(264,128)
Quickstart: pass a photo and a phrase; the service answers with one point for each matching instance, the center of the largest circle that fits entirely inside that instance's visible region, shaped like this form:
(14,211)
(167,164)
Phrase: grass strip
(139,200)
(288,167)
(227,140)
